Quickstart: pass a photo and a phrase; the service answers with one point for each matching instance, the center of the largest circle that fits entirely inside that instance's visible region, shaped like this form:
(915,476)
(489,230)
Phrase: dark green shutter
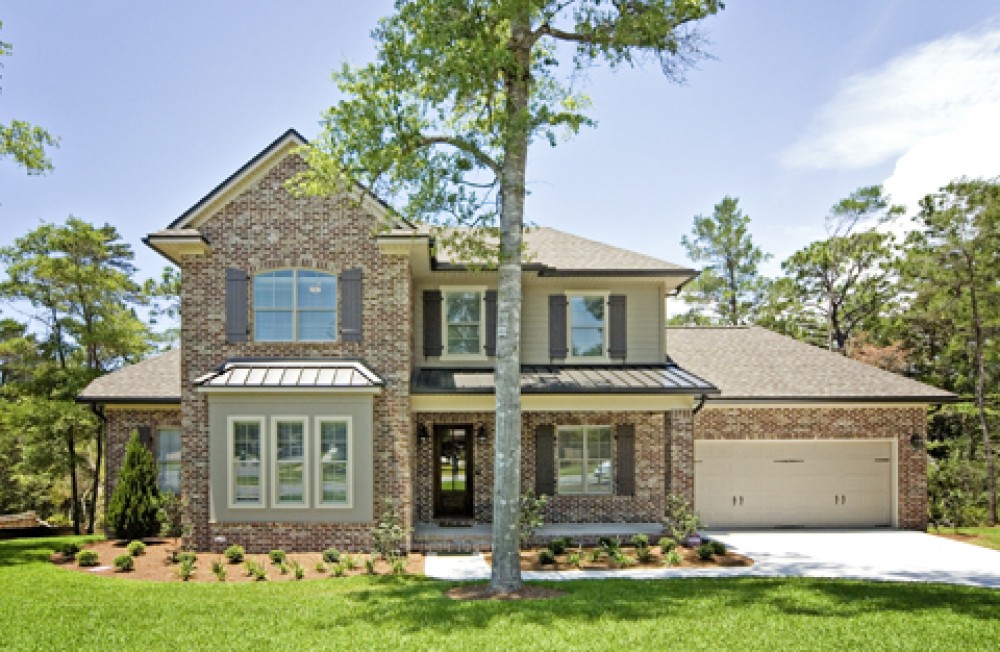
(617,327)
(491,323)
(626,460)
(432,323)
(545,472)
(237,310)
(350,305)
(557,327)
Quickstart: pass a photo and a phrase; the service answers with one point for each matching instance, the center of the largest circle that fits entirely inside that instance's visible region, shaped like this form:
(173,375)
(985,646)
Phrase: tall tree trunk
(977,337)
(506,571)
(74,484)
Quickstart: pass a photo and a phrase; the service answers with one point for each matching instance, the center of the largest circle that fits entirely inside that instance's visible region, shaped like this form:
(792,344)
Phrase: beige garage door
(793,483)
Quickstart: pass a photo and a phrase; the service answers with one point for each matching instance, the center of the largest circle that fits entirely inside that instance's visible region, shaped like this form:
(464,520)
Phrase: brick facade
(119,427)
(804,423)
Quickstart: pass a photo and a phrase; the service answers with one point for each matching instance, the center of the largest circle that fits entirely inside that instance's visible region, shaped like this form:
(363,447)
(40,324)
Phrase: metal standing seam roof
(291,374)
(552,379)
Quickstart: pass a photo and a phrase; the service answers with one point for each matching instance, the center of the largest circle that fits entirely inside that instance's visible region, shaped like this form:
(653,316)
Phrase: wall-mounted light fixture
(423,434)
(916,441)
(481,434)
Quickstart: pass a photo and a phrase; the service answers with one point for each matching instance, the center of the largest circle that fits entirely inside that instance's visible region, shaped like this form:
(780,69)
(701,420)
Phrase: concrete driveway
(896,555)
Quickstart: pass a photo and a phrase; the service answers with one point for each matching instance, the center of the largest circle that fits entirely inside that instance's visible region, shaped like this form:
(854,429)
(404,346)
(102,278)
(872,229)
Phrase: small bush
(622,560)
(718,548)
(331,555)
(320,567)
(398,565)
(666,544)
(250,568)
(136,548)
(300,572)
(219,570)
(680,521)
(370,565)
(339,570)
(705,551)
(259,573)
(186,557)
(530,515)
(558,546)
(234,554)
(640,541)
(68,549)
(277,557)
(596,554)
(609,544)
(546,557)
(390,534)
(124,563)
(350,562)
(644,555)
(87,558)
(171,516)
(284,568)
(186,568)
(673,558)
(573,559)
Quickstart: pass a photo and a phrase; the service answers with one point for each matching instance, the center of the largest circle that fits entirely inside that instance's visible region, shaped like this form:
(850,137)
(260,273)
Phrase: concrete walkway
(890,555)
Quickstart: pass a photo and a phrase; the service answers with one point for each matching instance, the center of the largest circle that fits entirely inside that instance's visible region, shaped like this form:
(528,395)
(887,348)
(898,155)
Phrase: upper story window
(463,322)
(295,305)
(587,325)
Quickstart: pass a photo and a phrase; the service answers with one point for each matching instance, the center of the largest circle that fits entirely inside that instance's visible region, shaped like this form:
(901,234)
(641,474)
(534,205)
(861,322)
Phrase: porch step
(432,537)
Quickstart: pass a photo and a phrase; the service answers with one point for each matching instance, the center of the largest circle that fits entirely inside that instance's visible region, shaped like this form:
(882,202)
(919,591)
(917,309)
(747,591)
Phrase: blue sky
(803,102)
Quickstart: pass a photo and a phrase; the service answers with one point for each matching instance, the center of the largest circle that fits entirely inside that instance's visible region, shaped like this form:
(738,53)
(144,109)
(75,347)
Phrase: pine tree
(132,513)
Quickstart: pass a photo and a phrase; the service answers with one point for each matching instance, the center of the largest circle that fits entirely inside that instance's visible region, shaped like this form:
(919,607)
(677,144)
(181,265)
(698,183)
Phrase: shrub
(124,563)
(622,560)
(259,573)
(136,548)
(186,569)
(68,549)
(574,559)
(557,546)
(718,548)
(331,555)
(530,511)
(350,562)
(644,555)
(87,558)
(370,565)
(398,565)
(284,568)
(250,568)
(546,557)
(640,541)
(390,534)
(339,570)
(320,567)
(185,557)
(277,557)
(219,570)
(680,520)
(134,505)
(234,554)
(596,554)
(300,572)
(609,545)
(171,516)
(673,558)
(705,551)
(666,544)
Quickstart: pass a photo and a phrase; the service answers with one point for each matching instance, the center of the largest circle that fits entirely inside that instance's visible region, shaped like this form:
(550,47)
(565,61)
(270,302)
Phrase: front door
(453,471)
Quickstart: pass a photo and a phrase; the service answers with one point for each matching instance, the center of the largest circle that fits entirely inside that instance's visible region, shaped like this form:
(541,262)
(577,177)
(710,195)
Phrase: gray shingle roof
(753,363)
(291,374)
(154,380)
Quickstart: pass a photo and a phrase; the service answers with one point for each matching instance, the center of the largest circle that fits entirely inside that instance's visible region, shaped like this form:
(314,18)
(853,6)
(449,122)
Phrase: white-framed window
(587,324)
(335,448)
(289,468)
(463,322)
(295,305)
(168,460)
(584,459)
(245,448)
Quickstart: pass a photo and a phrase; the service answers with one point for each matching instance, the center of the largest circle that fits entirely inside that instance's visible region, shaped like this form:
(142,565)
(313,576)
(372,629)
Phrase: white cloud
(935,109)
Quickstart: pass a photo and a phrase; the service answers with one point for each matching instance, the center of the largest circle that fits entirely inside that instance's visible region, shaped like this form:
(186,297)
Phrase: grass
(45,607)
(987,537)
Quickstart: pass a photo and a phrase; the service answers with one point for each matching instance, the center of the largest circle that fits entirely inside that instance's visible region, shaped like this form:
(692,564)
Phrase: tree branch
(465,146)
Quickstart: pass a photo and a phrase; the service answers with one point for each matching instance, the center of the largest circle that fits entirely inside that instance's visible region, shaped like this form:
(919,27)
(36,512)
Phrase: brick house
(328,363)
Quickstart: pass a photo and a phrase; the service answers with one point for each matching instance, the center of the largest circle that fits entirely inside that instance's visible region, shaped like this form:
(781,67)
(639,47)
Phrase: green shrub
(557,546)
(170,514)
(300,572)
(284,568)
(596,554)
(390,534)
(234,554)
(124,563)
(186,568)
(136,548)
(277,557)
(331,555)
(673,558)
(705,551)
(530,515)
(610,545)
(250,568)
(370,565)
(680,520)
(134,505)
(87,558)
(398,565)
(622,560)
(666,544)
(185,556)
(339,570)
(718,548)
(68,549)
(350,562)
(259,573)
(320,567)
(546,557)
(644,555)
(573,559)
(640,541)
(219,570)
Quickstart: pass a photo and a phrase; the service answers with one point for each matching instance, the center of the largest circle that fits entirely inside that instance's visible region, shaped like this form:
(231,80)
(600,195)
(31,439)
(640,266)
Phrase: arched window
(295,305)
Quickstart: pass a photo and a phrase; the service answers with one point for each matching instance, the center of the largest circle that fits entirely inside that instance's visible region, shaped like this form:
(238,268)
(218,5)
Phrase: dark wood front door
(452,471)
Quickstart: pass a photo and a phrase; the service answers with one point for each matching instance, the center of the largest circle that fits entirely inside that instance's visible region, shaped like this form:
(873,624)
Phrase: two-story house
(327,365)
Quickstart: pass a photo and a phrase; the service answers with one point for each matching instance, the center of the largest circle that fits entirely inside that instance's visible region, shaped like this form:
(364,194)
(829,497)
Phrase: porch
(475,537)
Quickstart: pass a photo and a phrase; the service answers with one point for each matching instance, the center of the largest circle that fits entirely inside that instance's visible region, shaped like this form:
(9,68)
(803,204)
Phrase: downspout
(98,411)
(701,403)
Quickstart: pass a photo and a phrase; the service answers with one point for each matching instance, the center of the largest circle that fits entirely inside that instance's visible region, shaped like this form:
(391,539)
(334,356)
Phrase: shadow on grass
(17,552)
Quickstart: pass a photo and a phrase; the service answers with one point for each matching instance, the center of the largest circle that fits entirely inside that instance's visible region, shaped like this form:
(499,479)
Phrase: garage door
(793,483)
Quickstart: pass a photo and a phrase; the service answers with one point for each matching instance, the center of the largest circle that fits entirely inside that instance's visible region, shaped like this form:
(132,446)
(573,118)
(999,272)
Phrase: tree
(952,266)
(848,279)
(134,507)
(22,141)
(730,286)
(442,122)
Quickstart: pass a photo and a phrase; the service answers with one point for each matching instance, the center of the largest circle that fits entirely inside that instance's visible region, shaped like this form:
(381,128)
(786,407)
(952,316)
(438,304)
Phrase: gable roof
(750,363)
(153,380)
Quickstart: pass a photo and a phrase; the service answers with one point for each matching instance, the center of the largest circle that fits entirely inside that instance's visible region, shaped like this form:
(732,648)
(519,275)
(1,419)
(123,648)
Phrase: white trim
(603,358)
(230,478)
(455,289)
(318,463)
(273,461)
(584,428)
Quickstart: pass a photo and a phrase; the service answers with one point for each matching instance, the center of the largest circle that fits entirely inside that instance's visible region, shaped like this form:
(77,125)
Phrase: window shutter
(237,316)
(432,323)
(626,460)
(617,327)
(146,438)
(350,305)
(491,323)
(545,472)
(557,326)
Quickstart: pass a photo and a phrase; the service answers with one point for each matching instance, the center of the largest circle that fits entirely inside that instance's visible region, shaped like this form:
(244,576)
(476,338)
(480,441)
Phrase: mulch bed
(155,566)
(689,559)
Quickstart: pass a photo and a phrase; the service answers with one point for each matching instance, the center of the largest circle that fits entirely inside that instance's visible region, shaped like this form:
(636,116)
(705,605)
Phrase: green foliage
(956,485)
(666,544)
(339,570)
(136,548)
(171,516)
(397,565)
(133,510)
(87,558)
(681,520)
(25,143)
(300,572)
(284,568)
(705,551)
(530,515)
(234,554)
(350,562)
(640,540)
(673,558)
(546,557)
(644,554)
(186,569)
(183,556)
(331,555)
(320,567)
(277,557)
(219,570)
(718,548)
(621,559)
(389,535)
(573,559)
(370,565)
(68,549)
(558,546)
(609,545)
(124,563)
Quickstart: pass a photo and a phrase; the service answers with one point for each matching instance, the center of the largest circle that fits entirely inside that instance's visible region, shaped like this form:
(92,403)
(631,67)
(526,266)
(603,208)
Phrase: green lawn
(987,537)
(47,608)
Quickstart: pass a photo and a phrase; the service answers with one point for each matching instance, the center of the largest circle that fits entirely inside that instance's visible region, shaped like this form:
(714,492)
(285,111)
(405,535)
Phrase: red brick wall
(803,423)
